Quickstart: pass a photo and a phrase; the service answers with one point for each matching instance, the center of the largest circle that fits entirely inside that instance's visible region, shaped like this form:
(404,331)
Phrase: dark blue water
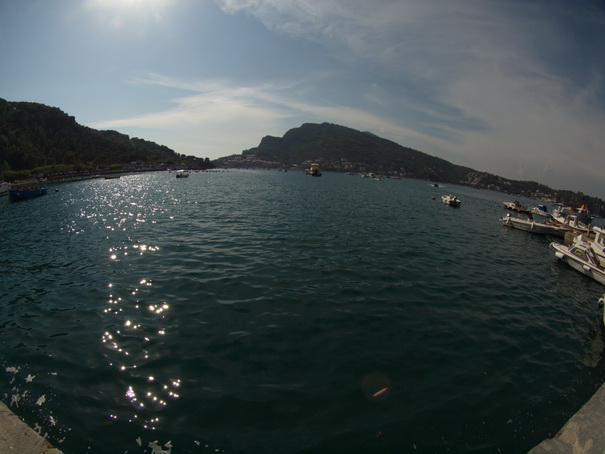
(268,312)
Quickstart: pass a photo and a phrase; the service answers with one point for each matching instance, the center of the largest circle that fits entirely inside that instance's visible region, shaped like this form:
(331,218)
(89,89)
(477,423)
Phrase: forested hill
(343,149)
(38,137)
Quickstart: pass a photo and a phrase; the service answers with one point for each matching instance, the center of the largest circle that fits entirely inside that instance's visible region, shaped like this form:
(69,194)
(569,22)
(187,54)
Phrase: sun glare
(120,13)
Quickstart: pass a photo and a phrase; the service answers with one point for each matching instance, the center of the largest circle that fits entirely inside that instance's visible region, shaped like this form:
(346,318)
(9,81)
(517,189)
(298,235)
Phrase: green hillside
(36,137)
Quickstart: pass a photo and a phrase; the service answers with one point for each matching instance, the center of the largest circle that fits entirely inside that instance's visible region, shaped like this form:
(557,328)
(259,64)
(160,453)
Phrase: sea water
(273,312)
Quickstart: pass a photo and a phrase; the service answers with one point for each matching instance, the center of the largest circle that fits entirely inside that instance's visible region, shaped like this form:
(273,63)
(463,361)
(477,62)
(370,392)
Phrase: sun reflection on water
(134,336)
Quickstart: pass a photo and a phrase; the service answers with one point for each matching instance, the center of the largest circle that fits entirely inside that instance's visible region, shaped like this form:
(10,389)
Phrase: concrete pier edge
(584,432)
(16,437)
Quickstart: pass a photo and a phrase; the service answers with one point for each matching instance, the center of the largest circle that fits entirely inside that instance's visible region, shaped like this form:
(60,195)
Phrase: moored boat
(182,174)
(529,225)
(451,200)
(516,206)
(540,212)
(313,170)
(581,257)
(26,190)
(598,242)
(4,187)
(595,237)
(577,219)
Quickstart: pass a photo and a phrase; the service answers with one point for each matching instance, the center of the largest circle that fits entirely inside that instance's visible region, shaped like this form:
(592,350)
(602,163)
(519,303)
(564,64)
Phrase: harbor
(332,314)
(18,437)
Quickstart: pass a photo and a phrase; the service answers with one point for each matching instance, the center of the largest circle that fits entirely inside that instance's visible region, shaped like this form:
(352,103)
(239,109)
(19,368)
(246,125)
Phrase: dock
(583,433)
(16,437)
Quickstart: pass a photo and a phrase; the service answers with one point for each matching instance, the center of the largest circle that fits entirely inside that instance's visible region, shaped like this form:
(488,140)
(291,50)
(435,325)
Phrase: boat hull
(450,200)
(534,227)
(21,194)
(586,267)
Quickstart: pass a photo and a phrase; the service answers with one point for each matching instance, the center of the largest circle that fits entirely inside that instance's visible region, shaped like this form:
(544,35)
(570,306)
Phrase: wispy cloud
(503,85)
(507,87)
(239,115)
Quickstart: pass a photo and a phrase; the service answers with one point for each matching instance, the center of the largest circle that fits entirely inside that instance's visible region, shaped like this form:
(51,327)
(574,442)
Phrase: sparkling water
(272,312)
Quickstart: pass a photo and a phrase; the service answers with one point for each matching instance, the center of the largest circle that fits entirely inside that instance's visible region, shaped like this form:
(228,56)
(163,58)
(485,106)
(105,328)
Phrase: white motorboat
(516,206)
(313,170)
(540,212)
(4,187)
(182,174)
(598,243)
(529,225)
(577,219)
(595,237)
(581,257)
(451,200)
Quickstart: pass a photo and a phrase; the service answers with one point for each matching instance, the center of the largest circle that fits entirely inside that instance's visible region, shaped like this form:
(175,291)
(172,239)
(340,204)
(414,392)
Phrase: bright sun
(120,13)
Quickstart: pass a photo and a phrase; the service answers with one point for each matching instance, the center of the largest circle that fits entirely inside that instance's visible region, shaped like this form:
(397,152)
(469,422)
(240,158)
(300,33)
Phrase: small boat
(581,257)
(540,212)
(182,174)
(595,237)
(451,200)
(26,190)
(529,225)
(516,206)
(577,219)
(598,243)
(4,187)
(313,170)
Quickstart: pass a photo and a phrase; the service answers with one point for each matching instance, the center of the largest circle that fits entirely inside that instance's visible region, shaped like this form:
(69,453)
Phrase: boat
(313,170)
(26,190)
(581,257)
(182,174)
(595,237)
(516,206)
(577,219)
(541,212)
(529,225)
(4,187)
(598,242)
(451,200)
(601,304)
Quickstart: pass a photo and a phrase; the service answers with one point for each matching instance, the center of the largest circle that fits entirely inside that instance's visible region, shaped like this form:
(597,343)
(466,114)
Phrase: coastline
(583,433)
(18,437)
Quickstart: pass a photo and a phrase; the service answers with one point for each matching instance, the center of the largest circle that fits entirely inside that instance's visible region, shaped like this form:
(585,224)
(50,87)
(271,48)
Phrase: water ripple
(270,312)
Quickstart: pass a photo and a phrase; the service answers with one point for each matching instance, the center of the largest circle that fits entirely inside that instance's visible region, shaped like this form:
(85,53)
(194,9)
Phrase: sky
(511,87)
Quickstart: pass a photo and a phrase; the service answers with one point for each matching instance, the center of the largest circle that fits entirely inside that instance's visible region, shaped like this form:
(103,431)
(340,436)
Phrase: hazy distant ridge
(343,149)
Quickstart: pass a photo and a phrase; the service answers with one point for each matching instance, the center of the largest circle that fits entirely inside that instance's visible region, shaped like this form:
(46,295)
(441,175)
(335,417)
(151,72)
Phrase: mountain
(341,149)
(36,137)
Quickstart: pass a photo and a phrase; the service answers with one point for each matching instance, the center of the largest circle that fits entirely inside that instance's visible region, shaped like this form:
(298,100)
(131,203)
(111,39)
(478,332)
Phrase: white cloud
(218,116)
(498,85)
